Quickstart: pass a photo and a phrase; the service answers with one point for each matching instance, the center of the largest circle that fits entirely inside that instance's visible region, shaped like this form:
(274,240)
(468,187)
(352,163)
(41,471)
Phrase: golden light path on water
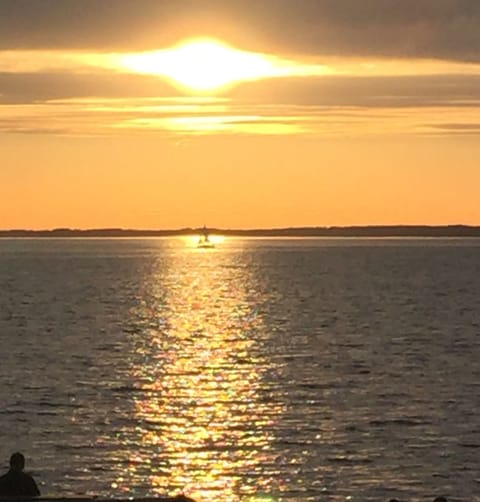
(204,428)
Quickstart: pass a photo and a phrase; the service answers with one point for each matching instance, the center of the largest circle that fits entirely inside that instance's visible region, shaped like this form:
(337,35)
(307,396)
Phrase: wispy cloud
(182,116)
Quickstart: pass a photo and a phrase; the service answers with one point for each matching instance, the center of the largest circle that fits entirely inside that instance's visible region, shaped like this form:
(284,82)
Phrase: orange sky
(241,182)
(303,135)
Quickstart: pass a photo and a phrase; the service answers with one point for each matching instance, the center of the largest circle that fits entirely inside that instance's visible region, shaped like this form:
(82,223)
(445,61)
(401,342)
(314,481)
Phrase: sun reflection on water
(203,427)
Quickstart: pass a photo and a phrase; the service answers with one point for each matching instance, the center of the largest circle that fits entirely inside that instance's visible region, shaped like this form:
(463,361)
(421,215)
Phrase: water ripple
(293,370)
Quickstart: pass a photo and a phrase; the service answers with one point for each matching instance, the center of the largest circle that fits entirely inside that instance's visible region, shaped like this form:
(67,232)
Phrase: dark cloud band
(367,92)
(398,28)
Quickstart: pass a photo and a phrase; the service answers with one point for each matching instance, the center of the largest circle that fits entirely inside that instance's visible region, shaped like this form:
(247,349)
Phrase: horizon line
(401,230)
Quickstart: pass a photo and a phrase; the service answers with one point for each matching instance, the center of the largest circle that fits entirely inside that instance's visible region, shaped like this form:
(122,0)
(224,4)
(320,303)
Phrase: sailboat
(204,241)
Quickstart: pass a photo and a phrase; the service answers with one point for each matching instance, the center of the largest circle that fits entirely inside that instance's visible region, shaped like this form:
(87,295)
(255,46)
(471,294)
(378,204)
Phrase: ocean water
(263,369)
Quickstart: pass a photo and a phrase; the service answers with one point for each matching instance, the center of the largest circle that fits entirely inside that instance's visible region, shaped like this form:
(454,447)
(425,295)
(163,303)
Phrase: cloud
(367,92)
(445,29)
(27,88)
(334,90)
(468,129)
(62,103)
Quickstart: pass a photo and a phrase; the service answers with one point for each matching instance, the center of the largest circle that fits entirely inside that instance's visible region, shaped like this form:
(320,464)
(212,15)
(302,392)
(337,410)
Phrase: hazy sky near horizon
(293,113)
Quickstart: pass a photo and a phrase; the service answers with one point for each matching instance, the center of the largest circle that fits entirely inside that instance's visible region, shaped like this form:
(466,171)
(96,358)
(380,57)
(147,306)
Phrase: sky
(164,114)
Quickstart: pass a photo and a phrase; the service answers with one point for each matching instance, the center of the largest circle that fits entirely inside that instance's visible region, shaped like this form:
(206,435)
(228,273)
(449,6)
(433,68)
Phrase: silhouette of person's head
(17,462)
(440,499)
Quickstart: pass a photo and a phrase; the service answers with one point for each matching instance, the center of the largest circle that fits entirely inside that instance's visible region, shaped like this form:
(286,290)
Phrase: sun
(205,65)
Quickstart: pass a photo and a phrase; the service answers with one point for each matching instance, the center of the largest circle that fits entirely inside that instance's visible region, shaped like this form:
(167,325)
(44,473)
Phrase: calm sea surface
(260,370)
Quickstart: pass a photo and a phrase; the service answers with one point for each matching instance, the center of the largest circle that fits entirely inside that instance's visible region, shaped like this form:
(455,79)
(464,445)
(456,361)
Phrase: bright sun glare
(205,65)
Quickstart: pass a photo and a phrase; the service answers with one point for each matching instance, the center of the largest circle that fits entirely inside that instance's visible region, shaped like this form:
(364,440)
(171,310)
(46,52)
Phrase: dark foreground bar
(178,498)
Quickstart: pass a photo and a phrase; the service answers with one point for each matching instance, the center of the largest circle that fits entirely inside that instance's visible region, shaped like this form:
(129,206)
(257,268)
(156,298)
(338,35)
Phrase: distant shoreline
(349,231)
